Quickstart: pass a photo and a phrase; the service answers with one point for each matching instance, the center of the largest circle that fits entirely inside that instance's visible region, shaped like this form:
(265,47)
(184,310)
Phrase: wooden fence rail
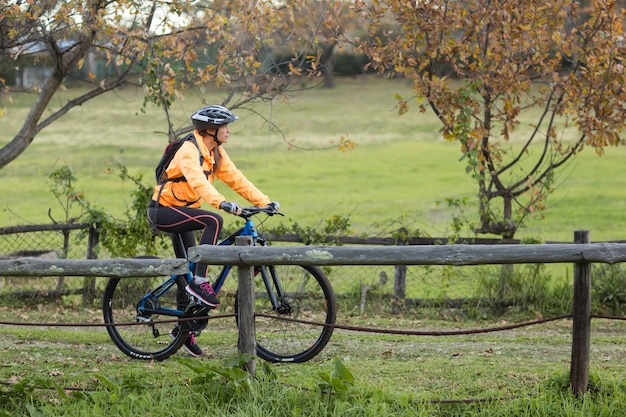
(456,255)
(581,253)
(116,267)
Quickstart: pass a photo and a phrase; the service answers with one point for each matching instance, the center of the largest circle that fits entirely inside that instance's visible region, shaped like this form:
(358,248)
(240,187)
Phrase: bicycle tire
(310,295)
(143,337)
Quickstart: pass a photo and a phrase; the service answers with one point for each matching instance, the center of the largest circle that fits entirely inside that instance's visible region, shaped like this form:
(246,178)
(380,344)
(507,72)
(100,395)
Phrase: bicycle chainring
(197,310)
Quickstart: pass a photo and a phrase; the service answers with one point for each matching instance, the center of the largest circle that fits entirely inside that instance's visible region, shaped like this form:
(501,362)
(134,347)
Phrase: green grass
(523,372)
(400,166)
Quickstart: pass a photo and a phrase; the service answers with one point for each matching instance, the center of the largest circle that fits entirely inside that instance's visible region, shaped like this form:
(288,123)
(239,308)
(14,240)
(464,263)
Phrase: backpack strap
(182,178)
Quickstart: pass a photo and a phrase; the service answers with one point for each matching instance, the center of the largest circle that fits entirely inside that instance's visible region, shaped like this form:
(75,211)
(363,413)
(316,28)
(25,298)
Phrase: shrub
(609,289)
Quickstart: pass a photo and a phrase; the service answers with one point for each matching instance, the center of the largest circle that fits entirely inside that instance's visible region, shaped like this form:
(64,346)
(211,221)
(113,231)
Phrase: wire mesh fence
(51,242)
(361,289)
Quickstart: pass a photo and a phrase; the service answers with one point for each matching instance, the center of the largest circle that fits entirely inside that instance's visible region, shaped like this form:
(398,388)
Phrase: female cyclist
(175,206)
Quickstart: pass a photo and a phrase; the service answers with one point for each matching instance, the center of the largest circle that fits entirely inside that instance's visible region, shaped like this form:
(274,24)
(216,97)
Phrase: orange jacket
(198,187)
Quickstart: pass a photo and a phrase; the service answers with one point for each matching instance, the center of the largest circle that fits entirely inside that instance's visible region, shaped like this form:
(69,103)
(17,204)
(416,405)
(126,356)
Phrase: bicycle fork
(274,289)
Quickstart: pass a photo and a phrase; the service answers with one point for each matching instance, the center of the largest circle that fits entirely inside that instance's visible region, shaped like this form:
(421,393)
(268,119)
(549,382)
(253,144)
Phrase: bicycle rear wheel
(308,297)
(143,335)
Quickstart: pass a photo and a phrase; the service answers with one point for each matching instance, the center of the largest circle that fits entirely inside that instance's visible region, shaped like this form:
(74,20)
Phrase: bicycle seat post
(179,246)
(181,252)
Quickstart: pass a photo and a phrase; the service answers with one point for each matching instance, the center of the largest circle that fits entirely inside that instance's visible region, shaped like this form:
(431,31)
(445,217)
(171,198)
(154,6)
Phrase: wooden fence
(581,253)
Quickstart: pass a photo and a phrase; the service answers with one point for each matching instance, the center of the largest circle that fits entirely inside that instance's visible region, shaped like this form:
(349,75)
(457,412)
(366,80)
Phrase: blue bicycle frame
(248,229)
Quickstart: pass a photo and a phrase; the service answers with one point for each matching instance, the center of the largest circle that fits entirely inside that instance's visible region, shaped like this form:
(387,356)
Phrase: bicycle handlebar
(247,212)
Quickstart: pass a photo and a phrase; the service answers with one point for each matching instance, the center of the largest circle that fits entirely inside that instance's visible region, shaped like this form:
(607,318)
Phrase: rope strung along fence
(336,326)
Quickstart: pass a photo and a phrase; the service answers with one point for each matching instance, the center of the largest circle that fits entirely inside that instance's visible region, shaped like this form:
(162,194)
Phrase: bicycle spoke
(140,331)
(308,297)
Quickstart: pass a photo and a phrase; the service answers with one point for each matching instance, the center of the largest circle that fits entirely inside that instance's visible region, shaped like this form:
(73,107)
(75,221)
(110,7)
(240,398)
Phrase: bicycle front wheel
(295,331)
(134,324)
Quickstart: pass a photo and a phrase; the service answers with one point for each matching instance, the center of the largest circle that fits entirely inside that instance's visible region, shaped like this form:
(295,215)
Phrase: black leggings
(185,221)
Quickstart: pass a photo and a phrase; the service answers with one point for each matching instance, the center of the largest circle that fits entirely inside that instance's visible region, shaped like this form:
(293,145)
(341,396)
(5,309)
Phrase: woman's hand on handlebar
(231,207)
(274,206)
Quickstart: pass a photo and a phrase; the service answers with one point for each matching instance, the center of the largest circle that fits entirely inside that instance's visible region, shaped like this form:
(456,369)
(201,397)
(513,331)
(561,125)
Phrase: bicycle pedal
(197,308)
(199,303)
(191,306)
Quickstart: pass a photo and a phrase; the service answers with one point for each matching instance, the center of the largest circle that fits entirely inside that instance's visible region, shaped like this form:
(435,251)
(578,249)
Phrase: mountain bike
(141,313)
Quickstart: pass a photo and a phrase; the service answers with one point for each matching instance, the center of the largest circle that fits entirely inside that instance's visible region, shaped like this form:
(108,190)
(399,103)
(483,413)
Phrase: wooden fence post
(581,325)
(399,278)
(245,309)
(89,283)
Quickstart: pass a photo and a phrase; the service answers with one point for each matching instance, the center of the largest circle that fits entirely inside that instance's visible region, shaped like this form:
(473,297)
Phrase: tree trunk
(64,61)
(327,60)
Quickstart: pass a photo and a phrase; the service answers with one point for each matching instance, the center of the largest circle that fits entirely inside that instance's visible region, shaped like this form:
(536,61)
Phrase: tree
(332,19)
(494,70)
(166,46)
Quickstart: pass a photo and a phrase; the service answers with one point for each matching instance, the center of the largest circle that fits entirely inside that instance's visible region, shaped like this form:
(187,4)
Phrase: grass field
(522,372)
(399,167)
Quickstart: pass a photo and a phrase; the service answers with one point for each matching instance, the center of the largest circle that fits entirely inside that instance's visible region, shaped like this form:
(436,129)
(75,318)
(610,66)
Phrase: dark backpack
(168,155)
(161,176)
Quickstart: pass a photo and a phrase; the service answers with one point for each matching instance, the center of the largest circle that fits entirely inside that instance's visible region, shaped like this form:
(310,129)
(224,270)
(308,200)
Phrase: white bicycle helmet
(212,117)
